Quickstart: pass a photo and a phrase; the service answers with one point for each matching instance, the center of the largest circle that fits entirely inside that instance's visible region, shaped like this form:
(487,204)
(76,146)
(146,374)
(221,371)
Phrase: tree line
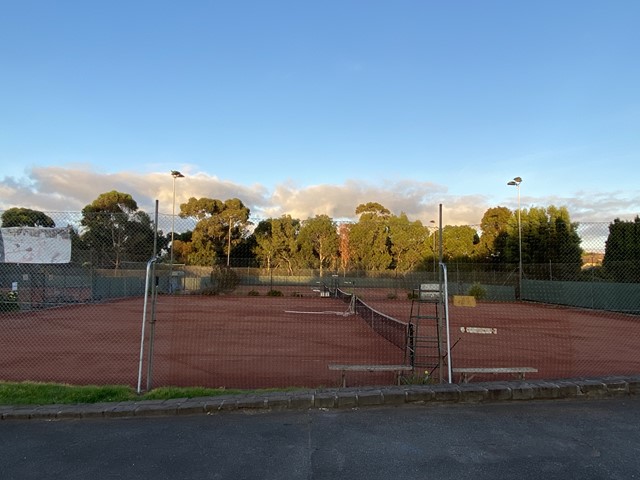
(113,231)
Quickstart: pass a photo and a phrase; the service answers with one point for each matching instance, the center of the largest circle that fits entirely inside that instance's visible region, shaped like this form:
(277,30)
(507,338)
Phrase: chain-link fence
(130,306)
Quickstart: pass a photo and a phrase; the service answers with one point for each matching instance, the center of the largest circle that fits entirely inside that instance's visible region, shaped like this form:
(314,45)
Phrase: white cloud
(69,189)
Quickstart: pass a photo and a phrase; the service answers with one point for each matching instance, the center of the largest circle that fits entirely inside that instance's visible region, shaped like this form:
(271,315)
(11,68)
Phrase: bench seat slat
(495,370)
(468,373)
(370,368)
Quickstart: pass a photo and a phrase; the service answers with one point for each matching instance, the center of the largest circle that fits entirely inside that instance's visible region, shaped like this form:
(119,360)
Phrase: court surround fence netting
(229,324)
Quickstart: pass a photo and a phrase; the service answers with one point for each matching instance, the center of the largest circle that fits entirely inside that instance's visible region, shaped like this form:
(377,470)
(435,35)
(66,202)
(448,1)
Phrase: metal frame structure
(425,331)
(428,332)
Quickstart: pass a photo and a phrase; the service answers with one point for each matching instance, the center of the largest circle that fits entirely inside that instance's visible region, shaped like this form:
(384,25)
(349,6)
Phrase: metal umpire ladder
(427,347)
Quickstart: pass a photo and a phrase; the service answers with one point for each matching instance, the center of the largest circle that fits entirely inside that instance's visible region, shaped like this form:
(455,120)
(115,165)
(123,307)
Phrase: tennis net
(388,327)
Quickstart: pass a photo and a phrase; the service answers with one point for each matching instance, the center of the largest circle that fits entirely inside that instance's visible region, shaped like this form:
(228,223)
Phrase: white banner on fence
(35,245)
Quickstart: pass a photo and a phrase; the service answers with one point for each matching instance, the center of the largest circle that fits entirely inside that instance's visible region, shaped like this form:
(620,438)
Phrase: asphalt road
(566,439)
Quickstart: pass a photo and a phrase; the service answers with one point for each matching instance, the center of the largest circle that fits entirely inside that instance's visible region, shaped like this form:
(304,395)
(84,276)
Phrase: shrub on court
(9,302)
(274,293)
(253,293)
(417,379)
(224,280)
(391,296)
(478,291)
(208,291)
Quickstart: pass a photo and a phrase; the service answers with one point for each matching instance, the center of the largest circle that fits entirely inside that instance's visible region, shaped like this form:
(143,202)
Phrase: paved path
(562,439)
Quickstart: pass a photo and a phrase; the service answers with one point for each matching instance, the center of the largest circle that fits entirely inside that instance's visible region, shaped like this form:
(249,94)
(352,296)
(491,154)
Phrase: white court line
(343,314)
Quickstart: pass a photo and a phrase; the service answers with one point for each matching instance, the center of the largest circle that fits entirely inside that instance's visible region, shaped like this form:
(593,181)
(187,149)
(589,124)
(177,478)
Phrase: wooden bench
(398,369)
(467,373)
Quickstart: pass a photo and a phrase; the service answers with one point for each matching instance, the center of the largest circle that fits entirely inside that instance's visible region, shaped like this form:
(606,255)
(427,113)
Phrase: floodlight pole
(175,174)
(435,229)
(516,183)
(229,244)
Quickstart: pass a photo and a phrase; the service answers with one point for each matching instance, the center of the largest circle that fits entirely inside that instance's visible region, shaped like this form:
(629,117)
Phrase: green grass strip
(32,393)
(35,393)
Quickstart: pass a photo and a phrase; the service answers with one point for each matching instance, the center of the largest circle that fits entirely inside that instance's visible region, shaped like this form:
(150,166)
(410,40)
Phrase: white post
(144,322)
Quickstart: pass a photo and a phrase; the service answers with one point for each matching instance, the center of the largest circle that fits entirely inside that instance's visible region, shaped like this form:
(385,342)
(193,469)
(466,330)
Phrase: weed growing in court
(417,379)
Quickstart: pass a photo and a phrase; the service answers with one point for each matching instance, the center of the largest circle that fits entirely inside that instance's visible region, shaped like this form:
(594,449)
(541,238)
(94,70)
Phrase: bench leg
(344,379)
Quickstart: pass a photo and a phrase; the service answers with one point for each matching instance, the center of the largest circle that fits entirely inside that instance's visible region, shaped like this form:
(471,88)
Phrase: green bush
(9,302)
(223,280)
(274,293)
(478,291)
(208,291)
(417,379)
(253,293)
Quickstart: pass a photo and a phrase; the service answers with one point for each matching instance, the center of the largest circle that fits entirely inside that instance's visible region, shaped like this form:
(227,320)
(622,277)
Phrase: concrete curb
(342,398)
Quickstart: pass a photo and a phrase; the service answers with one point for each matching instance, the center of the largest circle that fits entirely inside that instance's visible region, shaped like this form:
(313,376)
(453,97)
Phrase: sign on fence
(35,245)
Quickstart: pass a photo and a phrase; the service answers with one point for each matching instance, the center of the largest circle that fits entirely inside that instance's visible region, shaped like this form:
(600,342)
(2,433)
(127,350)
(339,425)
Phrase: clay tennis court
(561,342)
(257,342)
(221,341)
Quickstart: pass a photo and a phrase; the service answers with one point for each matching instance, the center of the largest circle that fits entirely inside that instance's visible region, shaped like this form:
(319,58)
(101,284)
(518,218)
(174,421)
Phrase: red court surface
(561,342)
(258,342)
(214,341)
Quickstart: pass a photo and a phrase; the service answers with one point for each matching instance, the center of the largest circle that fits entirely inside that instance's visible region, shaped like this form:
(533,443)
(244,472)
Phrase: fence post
(144,321)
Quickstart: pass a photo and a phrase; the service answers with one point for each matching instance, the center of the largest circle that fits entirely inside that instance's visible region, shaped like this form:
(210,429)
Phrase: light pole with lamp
(175,174)
(516,183)
(434,244)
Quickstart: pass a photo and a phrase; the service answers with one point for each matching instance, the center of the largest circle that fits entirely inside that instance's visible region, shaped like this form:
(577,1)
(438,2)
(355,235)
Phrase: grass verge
(35,393)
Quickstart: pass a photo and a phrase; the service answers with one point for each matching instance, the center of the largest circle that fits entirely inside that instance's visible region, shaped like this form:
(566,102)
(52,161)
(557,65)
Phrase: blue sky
(313,107)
